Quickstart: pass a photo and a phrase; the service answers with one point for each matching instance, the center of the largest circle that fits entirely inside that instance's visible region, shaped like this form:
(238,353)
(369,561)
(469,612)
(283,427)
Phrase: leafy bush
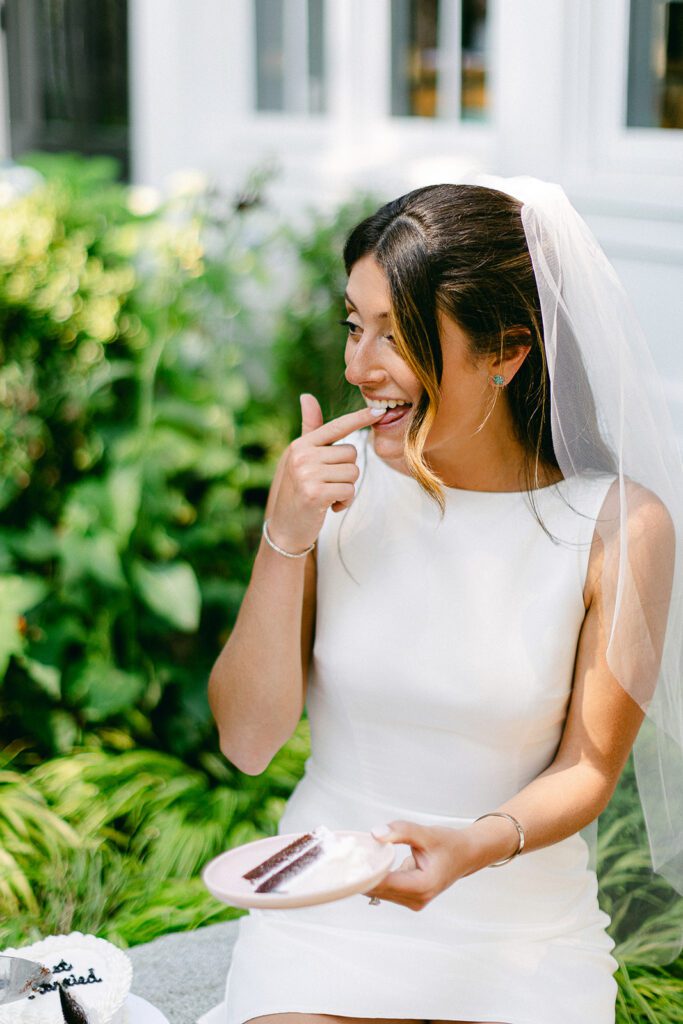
(113,844)
(309,342)
(131,449)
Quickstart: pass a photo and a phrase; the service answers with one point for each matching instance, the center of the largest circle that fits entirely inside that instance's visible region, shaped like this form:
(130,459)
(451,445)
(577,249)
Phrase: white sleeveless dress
(440,680)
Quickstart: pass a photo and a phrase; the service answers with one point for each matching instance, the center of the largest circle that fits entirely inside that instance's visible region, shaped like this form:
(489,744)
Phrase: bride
(474,585)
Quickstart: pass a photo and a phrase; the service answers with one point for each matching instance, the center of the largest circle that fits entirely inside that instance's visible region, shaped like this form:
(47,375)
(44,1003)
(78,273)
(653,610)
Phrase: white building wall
(558,86)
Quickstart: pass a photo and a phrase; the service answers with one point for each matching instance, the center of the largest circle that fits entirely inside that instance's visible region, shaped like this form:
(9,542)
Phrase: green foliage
(129,453)
(646,914)
(113,844)
(309,342)
(650,996)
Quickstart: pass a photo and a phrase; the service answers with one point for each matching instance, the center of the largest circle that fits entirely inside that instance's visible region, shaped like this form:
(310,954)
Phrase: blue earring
(498,380)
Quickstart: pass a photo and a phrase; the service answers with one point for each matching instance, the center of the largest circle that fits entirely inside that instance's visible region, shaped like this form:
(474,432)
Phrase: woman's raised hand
(318,474)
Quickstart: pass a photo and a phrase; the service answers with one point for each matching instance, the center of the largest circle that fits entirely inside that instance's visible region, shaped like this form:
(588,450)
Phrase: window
(655,65)
(68,73)
(473,100)
(290,56)
(414,52)
(438,59)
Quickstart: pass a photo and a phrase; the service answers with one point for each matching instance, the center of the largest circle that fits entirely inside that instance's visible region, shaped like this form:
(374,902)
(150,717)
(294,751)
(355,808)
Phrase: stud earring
(498,380)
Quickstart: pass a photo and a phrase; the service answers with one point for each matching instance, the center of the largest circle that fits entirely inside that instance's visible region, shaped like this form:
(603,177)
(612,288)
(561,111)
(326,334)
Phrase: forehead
(368,289)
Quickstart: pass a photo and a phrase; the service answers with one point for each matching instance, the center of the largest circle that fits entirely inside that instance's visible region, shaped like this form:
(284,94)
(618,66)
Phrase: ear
(516,351)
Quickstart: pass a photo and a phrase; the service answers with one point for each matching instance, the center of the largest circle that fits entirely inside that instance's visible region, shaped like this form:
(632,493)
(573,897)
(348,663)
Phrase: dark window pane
(290,55)
(473,95)
(68,76)
(655,64)
(414,57)
(426,62)
(270,57)
(316,55)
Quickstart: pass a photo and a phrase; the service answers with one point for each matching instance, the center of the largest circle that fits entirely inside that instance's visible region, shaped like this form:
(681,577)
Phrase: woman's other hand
(439,856)
(318,474)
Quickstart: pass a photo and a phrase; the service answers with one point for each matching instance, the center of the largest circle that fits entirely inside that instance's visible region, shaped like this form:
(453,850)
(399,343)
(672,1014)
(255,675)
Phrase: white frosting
(342,860)
(87,957)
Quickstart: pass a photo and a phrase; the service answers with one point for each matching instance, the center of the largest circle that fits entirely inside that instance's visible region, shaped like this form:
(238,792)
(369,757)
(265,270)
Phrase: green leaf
(171,591)
(17,595)
(37,543)
(62,730)
(101,689)
(94,557)
(125,490)
(48,677)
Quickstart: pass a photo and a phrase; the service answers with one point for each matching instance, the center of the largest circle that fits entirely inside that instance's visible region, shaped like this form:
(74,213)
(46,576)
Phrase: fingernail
(378,412)
(381,831)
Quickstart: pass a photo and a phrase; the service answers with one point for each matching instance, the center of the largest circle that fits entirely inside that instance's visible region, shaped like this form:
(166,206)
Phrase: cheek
(462,402)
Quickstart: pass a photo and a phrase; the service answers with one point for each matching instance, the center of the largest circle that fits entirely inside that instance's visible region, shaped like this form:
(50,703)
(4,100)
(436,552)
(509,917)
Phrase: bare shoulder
(651,535)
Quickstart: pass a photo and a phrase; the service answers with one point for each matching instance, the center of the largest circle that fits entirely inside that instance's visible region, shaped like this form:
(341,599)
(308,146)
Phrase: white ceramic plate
(223,875)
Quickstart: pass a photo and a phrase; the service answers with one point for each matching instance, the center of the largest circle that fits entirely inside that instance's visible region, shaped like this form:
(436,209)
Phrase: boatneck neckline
(461,490)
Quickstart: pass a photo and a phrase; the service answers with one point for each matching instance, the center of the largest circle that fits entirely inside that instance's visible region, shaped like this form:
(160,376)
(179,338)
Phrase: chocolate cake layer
(298,846)
(291,869)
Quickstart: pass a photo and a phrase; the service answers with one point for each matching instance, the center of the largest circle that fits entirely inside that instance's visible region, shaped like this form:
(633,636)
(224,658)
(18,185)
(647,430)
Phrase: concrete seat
(184,973)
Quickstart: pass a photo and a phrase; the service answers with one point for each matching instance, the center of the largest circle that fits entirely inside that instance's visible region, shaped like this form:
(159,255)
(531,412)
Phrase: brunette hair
(460,250)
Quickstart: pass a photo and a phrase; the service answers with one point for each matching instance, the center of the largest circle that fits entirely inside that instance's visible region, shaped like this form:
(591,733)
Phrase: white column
(529,71)
(369,58)
(191,83)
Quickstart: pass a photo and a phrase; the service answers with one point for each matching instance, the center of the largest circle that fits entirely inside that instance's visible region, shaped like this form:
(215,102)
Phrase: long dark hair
(461,250)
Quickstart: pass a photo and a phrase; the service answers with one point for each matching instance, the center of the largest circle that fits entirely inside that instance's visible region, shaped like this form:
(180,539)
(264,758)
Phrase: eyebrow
(380,316)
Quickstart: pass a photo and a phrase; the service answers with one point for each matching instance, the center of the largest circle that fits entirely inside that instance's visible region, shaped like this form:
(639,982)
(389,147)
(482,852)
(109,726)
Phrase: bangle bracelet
(281,551)
(520,833)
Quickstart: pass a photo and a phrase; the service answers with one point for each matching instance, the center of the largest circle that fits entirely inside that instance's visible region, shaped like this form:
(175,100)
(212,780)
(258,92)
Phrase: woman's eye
(356,329)
(352,328)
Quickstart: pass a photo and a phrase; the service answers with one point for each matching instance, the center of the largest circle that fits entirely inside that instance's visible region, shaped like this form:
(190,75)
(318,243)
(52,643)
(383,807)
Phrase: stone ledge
(184,973)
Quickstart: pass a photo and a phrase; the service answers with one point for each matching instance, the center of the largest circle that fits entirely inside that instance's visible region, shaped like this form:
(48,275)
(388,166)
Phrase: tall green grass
(114,844)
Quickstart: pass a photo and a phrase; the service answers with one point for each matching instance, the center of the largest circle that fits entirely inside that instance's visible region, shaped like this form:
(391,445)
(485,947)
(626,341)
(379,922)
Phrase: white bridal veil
(609,413)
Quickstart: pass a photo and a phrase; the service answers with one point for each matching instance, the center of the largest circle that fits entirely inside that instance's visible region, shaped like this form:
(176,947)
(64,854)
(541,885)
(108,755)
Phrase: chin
(393,439)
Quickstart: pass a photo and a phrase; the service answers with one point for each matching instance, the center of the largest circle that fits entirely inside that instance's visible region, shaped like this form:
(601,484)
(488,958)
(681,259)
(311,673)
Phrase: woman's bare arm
(603,720)
(257,687)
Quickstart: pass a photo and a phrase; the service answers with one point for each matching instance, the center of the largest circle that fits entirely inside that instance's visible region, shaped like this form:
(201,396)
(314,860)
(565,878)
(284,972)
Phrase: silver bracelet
(520,833)
(281,551)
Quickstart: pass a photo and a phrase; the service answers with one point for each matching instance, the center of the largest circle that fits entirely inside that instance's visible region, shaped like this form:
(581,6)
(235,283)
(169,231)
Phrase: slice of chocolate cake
(279,858)
(317,858)
(278,880)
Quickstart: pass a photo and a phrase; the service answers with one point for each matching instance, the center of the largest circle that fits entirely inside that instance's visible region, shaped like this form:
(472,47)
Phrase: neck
(492,464)
(492,459)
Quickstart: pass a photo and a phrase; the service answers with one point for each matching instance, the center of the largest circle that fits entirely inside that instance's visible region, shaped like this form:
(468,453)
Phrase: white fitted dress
(441,674)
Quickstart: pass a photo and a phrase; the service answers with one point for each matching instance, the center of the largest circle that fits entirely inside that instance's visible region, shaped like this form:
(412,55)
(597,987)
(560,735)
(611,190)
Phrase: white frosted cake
(96,973)
(315,860)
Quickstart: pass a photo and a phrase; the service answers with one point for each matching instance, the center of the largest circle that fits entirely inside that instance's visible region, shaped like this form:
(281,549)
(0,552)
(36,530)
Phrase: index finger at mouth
(338,429)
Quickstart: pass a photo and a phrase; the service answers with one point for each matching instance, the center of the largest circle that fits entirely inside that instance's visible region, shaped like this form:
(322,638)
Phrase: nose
(364,364)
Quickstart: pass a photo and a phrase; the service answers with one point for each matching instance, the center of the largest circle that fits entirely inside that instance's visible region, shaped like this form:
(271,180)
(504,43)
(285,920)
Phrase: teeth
(391,403)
